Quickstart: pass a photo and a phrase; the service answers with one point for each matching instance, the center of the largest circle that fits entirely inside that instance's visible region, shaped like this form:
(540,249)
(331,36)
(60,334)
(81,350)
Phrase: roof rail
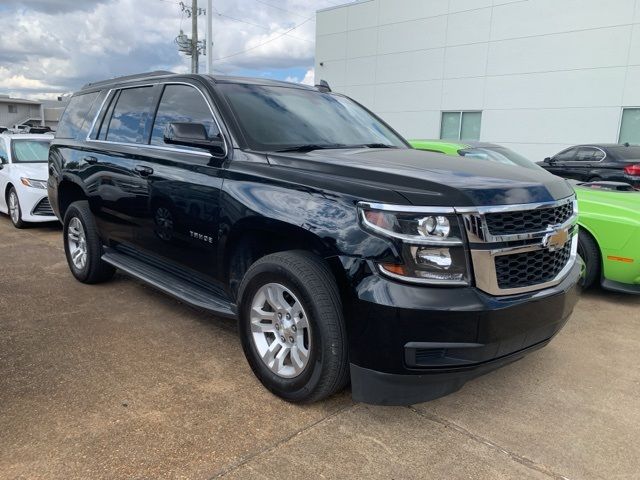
(157,73)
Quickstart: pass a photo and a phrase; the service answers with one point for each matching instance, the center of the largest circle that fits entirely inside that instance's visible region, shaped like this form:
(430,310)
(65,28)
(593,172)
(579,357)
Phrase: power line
(256,25)
(279,8)
(263,43)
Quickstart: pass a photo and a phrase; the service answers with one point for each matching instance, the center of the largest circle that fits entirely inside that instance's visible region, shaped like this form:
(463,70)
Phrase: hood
(428,178)
(627,201)
(35,171)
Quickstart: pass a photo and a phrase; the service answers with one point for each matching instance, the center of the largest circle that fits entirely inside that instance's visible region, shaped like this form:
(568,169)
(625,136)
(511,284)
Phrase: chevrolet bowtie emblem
(556,240)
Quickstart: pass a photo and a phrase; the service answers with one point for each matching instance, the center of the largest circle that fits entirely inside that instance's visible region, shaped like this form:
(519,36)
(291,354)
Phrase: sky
(53,47)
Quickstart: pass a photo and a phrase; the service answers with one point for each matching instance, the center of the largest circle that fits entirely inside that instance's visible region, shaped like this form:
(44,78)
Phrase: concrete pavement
(119,381)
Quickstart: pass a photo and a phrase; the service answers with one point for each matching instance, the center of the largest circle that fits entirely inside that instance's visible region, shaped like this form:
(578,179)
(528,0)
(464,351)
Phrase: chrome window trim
(159,147)
(595,148)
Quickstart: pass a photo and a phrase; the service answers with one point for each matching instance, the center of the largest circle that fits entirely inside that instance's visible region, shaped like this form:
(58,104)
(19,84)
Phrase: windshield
(500,155)
(280,118)
(627,154)
(30,151)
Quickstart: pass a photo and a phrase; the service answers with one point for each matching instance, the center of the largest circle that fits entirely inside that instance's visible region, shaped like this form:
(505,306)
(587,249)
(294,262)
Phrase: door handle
(90,159)
(144,170)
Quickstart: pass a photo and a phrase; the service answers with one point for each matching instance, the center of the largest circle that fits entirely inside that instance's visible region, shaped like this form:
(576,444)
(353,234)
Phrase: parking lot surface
(119,381)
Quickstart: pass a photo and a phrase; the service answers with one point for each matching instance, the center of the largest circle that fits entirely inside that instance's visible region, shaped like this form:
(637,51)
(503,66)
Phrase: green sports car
(609,218)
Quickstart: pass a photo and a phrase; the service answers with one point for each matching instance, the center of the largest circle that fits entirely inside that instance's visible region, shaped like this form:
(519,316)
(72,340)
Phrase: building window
(460,125)
(630,126)
(12,108)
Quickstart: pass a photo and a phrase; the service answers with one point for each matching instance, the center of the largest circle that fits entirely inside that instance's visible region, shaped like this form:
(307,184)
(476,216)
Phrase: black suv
(598,162)
(343,253)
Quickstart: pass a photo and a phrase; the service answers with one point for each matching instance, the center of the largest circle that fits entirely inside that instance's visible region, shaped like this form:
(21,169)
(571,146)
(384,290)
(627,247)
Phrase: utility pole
(194,36)
(209,45)
(191,46)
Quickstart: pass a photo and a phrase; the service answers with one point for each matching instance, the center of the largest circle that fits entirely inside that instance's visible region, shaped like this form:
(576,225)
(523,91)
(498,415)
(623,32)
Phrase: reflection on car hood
(427,178)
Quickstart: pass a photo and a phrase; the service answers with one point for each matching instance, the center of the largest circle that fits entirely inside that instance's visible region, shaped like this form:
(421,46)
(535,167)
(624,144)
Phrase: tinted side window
(182,103)
(566,155)
(131,109)
(585,154)
(75,115)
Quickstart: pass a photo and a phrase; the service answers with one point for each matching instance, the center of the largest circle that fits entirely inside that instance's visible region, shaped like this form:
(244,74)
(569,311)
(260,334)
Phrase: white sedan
(23,178)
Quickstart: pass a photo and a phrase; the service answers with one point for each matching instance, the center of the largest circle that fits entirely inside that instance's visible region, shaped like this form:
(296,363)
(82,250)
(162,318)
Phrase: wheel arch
(253,238)
(69,192)
(588,231)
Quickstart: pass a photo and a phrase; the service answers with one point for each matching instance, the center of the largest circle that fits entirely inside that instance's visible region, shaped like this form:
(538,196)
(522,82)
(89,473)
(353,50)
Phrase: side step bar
(177,287)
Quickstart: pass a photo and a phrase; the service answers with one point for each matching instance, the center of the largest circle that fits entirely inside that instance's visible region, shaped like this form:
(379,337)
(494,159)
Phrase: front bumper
(35,205)
(411,344)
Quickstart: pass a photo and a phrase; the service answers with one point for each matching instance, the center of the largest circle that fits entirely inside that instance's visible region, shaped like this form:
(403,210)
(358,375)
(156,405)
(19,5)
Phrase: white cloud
(309,77)
(51,47)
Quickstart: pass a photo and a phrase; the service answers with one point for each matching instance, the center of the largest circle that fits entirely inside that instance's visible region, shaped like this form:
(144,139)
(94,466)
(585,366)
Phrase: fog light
(434,226)
(439,258)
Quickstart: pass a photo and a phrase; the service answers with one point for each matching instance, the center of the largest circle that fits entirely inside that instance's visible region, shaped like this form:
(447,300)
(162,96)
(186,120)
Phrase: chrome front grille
(521,248)
(509,223)
(532,268)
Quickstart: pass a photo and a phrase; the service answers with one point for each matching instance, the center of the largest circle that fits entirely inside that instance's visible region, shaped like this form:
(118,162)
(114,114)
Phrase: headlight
(431,241)
(30,182)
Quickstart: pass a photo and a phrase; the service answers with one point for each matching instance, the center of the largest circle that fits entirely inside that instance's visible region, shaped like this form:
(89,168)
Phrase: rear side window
(131,109)
(182,103)
(75,115)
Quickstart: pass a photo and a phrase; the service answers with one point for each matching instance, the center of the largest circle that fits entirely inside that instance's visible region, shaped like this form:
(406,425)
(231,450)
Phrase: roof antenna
(323,86)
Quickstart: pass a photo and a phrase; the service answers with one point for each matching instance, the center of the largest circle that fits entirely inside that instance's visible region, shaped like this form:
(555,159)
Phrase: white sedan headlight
(30,182)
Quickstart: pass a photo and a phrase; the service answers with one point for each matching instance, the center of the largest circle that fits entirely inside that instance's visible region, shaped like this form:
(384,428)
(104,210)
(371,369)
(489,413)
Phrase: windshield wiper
(311,146)
(373,145)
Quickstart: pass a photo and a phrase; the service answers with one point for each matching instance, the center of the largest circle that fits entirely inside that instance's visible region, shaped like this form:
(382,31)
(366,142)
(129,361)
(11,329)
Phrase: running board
(171,284)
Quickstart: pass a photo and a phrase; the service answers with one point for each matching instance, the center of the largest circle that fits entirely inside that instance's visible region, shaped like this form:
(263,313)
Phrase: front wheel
(291,326)
(15,211)
(590,254)
(83,246)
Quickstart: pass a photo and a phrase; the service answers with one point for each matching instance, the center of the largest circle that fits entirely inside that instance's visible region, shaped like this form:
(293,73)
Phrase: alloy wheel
(280,330)
(77,242)
(14,207)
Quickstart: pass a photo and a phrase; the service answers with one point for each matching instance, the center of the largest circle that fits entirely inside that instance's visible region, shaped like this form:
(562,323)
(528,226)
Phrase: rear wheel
(15,211)
(83,246)
(590,254)
(291,326)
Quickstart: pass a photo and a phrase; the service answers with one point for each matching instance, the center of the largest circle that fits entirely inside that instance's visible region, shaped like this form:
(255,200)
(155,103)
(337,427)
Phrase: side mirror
(548,160)
(192,135)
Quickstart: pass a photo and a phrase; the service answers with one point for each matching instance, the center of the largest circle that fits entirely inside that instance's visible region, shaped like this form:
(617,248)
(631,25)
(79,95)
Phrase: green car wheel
(590,254)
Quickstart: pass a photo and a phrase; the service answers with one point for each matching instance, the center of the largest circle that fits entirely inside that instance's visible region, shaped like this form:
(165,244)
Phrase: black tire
(16,223)
(310,280)
(94,270)
(590,253)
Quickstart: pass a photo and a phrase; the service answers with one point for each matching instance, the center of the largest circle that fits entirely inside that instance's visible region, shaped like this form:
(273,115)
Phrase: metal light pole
(194,36)
(209,39)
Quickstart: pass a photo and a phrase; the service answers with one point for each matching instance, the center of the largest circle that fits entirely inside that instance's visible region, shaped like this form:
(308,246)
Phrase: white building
(20,111)
(534,75)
